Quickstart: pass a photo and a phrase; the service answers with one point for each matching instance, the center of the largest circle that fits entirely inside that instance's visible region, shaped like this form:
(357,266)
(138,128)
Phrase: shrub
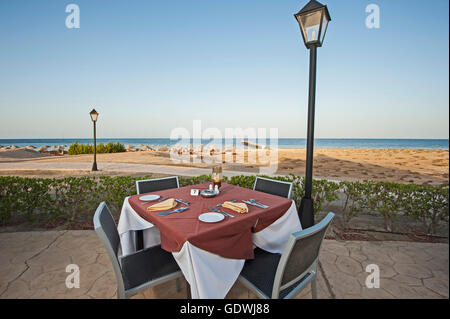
(31,195)
(324,191)
(354,201)
(76,149)
(185,181)
(427,204)
(63,200)
(385,198)
(114,147)
(246,181)
(74,199)
(110,147)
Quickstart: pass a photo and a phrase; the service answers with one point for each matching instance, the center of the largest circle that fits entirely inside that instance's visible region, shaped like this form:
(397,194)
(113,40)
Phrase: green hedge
(73,200)
(61,200)
(110,147)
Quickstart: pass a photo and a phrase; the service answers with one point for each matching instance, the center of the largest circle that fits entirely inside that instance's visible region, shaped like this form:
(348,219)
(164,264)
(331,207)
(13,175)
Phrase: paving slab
(33,265)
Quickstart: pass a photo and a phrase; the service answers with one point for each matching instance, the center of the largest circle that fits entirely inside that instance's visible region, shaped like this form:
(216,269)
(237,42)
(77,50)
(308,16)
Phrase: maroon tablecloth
(230,238)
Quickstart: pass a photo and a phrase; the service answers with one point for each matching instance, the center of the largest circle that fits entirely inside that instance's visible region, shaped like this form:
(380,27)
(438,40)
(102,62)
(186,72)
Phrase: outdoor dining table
(210,255)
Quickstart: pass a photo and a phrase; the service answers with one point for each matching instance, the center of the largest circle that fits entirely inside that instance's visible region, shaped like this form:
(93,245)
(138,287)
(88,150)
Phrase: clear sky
(149,66)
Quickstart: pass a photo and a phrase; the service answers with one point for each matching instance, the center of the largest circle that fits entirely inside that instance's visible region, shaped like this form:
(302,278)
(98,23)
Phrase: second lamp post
(94,117)
(313,20)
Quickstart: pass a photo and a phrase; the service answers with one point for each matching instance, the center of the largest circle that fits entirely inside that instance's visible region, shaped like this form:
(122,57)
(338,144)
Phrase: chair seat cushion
(261,270)
(261,273)
(146,265)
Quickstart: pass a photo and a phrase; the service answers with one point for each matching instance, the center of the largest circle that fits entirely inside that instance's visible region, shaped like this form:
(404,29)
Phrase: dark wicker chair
(157,184)
(140,270)
(148,186)
(285,275)
(274,187)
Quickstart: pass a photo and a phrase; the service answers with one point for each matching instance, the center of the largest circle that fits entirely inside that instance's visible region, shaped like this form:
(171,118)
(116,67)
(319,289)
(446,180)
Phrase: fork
(150,201)
(215,209)
(179,210)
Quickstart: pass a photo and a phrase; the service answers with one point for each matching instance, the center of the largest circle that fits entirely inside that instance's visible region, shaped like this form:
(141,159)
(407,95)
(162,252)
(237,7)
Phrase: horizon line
(316,138)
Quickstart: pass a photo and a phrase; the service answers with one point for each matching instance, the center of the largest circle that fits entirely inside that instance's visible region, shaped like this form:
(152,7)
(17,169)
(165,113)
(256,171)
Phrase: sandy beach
(395,165)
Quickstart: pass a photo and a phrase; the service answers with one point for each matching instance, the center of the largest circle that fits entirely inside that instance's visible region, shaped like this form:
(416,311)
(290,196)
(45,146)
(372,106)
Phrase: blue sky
(150,66)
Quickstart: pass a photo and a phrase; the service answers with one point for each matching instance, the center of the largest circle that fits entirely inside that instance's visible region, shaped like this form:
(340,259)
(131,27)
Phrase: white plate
(149,198)
(211,217)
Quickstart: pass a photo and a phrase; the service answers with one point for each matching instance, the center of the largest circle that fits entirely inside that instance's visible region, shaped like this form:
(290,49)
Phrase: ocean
(282,142)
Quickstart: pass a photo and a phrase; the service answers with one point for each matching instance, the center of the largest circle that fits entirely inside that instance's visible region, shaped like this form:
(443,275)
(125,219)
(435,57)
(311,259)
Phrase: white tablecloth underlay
(210,276)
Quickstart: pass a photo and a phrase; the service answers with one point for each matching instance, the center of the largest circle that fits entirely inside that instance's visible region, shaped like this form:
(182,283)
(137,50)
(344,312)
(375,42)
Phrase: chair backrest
(274,187)
(106,229)
(300,255)
(157,184)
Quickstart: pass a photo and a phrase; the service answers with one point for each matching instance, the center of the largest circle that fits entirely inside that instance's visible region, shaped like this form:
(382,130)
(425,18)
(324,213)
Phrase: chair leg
(139,240)
(120,293)
(314,288)
(188,290)
(178,284)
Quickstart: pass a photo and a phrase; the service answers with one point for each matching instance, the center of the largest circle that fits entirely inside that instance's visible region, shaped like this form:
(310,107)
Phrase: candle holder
(217,176)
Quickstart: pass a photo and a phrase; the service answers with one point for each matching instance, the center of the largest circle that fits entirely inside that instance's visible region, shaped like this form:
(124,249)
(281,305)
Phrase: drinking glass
(217,176)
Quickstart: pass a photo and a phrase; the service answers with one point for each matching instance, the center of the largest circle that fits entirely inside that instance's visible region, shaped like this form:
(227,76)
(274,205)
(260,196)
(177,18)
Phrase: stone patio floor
(33,265)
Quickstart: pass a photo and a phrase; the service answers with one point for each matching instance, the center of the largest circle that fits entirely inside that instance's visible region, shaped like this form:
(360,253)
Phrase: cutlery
(182,202)
(147,201)
(262,205)
(150,201)
(253,204)
(214,209)
(179,210)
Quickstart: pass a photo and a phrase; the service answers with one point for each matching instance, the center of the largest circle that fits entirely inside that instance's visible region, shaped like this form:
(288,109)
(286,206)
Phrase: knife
(182,202)
(253,204)
(179,210)
(262,205)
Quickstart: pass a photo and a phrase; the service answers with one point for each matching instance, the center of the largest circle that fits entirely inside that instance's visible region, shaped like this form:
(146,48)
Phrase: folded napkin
(240,208)
(164,205)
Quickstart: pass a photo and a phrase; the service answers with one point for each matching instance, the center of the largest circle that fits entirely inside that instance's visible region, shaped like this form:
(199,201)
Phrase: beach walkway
(33,265)
(115,167)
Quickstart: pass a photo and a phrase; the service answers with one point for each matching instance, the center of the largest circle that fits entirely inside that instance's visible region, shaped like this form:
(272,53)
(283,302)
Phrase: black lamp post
(94,116)
(313,20)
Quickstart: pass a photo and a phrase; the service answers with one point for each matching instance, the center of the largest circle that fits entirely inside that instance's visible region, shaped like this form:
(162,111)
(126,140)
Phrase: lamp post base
(94,167)
(306,212)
